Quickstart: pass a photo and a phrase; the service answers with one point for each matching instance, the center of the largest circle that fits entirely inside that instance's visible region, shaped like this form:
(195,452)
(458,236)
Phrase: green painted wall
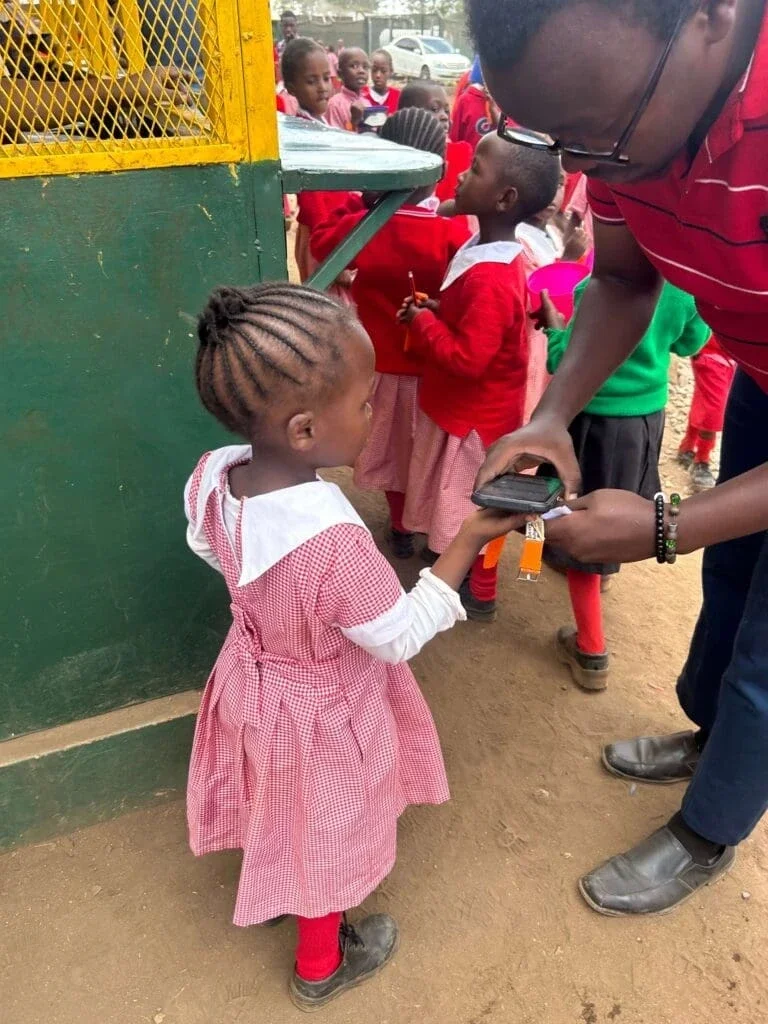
(101,605)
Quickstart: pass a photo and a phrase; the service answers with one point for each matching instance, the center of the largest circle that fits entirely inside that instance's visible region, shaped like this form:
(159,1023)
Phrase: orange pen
(417,298)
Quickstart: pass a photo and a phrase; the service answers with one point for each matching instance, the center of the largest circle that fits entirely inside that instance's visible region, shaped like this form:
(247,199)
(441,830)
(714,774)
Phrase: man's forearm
(737,508)
(611,320)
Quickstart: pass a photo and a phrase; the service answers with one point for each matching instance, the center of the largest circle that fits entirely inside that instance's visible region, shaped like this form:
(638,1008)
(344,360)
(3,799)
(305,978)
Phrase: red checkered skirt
(305,763)
(441,481)
(384,463)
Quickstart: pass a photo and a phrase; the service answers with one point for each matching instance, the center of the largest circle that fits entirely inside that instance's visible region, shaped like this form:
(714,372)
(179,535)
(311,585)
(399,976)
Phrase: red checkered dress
(307,749)
(384,463)
(443,471)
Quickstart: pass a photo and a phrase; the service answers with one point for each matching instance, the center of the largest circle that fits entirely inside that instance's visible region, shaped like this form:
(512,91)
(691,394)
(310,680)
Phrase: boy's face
(479,190)
(436,102)
(381,69)
(353,69)
(288,28)
(312,86)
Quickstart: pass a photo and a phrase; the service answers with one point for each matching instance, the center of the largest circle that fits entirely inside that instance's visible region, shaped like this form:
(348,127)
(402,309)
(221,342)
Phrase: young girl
(307,76)
(380,93)
(617,440)
(312,736)
(474,114)
(415,240)
(345,109)
(474,345)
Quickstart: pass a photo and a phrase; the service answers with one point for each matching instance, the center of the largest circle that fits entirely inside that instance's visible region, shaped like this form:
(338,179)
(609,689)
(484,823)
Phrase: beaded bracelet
(661,552)
(670,544)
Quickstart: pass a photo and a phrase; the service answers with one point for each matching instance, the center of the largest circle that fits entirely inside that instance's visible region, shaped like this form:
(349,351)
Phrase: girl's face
(353,69)
(381,70)
(437,104)
(312,87)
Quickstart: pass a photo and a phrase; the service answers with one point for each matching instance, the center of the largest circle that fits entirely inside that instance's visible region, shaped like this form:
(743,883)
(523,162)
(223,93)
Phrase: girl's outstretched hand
(487,524)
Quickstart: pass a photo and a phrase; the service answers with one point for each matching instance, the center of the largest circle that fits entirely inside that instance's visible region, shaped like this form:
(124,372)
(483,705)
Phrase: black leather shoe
(654,877)
(366,948)
(660,759)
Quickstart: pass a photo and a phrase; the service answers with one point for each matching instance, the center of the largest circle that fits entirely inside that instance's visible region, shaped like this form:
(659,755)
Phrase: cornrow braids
(257,342)
(294,55)
(416,128)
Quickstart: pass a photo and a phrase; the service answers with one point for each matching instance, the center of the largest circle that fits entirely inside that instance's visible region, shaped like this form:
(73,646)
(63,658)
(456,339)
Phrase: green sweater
(640,386)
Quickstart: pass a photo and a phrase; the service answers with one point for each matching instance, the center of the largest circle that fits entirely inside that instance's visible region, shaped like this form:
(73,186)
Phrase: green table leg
(361,234)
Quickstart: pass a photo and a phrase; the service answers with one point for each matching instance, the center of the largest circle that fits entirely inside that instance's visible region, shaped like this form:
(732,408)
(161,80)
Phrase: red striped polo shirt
(704,225)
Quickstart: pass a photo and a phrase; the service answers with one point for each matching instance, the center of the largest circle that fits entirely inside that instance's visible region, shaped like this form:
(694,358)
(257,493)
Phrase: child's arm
(326,236)
(364,599)
(468,347)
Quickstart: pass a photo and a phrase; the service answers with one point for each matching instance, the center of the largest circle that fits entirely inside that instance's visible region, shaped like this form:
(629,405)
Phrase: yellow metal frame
(244,54)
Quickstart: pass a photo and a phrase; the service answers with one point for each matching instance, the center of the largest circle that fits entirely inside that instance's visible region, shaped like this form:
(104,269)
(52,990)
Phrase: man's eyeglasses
(617,155)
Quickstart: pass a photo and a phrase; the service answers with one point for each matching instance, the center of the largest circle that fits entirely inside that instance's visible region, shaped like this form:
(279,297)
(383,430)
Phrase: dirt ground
(119,924)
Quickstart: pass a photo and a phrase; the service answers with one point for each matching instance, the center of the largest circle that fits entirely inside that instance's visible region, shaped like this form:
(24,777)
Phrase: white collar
(381,96)
(275,524)
(471,253)
(305,114)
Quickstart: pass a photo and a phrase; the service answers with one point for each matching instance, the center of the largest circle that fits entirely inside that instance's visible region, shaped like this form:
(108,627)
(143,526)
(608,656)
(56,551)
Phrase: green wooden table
(316,158)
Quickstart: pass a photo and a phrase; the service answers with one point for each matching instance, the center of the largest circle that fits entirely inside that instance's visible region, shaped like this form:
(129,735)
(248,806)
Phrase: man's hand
(606,526)
(544,439)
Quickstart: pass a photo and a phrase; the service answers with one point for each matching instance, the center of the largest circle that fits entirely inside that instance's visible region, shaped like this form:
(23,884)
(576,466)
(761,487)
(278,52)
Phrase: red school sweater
(416,239)
(475,349)
(390,101)
(458,158)
(472,117)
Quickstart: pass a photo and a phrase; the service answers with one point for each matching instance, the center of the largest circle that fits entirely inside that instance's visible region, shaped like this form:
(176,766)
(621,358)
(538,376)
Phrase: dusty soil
(119,924)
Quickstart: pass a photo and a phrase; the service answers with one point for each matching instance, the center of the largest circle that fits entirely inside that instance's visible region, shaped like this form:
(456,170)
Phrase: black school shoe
(659,759)
(590,671)
(477,611)
(401,544)
(366,948)
(653,877)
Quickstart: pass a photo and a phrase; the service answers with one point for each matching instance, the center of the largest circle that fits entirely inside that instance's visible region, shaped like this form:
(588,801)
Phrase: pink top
(339,109)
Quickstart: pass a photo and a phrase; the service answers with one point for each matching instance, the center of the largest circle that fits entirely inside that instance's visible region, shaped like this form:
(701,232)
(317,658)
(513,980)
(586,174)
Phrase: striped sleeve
(602,203)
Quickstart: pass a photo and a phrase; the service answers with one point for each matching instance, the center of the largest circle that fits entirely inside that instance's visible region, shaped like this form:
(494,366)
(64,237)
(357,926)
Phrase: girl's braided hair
(256,342)
(417,128)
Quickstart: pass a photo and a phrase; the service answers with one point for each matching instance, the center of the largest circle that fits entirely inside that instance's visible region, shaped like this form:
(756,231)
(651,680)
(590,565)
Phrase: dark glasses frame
(529,139)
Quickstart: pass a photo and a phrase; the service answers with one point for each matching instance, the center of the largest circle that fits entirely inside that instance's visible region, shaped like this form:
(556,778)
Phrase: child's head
(429,96)
(382,69)
(506,181)
(420,130)
(307,75)
(288,25)
(288,369)
(353,68)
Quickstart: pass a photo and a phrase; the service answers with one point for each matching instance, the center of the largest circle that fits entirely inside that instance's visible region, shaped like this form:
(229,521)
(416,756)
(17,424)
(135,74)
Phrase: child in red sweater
(432,96)
(380,93)
(474,116)
(416,240)
(307,76)
(474,346)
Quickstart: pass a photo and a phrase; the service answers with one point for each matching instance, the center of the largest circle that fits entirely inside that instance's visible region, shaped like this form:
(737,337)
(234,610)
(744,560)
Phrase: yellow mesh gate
(95,85)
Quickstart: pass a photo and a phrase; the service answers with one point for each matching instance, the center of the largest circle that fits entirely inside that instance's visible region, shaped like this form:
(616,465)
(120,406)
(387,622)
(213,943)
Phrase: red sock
(482,581)
(688,444)
(584,588)
(318,953)
(704,447)
(396,502)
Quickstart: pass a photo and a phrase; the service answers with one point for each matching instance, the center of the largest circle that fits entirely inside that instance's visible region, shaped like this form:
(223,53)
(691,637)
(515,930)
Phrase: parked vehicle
(427,57)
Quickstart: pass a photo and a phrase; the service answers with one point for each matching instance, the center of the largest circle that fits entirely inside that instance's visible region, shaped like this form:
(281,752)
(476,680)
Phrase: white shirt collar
(471,253)
(275,524)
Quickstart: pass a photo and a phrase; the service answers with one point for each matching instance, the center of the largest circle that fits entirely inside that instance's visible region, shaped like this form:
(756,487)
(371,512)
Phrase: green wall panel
(101,605)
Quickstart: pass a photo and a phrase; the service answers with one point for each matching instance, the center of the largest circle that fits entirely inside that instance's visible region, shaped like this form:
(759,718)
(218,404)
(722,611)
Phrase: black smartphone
(517,492)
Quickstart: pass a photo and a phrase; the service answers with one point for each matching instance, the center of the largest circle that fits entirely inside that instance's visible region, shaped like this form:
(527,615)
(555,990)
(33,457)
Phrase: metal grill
(120,78)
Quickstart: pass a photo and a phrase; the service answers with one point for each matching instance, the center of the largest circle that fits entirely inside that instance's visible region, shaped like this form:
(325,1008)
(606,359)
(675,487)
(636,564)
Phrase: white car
(427,57)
